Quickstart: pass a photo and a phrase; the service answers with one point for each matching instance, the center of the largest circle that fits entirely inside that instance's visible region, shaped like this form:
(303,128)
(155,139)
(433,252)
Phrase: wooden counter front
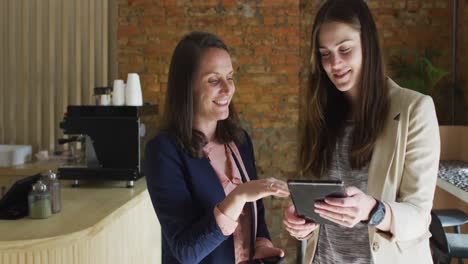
(97,224)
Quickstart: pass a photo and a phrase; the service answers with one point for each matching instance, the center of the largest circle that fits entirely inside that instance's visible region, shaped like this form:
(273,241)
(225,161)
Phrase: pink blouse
(220,156)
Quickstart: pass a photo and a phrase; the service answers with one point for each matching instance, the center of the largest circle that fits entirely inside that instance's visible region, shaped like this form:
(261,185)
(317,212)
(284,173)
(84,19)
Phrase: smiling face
(341,55)
(213,88)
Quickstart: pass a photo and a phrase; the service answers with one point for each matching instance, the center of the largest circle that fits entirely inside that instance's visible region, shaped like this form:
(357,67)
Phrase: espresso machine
(111,140)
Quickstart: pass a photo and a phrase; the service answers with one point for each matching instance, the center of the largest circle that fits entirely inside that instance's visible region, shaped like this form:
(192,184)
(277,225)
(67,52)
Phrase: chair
(446,246)
(452,217)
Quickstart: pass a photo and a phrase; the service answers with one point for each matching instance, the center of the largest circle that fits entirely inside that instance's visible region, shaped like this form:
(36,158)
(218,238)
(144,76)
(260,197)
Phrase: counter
(454,147)
(99,223)
(453,178)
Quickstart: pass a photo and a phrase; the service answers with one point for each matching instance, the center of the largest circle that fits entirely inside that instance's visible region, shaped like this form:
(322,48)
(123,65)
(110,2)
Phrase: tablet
(305,193)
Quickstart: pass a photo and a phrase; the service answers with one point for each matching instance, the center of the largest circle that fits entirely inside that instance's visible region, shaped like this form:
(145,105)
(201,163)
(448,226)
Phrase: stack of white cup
(127,94)
(118,94)
(133,95)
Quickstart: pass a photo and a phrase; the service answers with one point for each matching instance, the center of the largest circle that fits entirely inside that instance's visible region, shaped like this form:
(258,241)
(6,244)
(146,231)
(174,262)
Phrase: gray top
(339,244)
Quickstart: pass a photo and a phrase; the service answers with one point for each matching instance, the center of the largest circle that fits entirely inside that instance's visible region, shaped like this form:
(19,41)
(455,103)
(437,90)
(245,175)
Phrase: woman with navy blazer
(200,170)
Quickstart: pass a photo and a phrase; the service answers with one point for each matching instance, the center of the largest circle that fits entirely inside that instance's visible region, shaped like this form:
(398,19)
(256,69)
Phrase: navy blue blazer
(184,191)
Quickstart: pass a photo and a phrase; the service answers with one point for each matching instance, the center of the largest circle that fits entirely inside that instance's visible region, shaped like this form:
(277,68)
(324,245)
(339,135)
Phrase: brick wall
(418,25)
(269,43)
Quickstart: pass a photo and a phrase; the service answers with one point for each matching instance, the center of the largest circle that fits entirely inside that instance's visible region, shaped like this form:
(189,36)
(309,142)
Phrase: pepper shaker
(53,185)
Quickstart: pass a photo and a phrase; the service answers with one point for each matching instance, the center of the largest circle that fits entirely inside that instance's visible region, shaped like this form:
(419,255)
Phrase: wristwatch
(376,215)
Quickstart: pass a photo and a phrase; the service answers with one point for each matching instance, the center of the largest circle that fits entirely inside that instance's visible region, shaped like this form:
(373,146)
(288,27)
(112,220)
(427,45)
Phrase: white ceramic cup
(118,94)
(133,95)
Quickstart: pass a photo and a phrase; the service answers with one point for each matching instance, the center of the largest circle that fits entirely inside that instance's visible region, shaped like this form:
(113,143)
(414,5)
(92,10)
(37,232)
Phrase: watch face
(378,215)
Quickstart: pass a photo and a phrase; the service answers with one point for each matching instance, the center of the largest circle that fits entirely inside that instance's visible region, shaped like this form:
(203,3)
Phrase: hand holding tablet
(305,193)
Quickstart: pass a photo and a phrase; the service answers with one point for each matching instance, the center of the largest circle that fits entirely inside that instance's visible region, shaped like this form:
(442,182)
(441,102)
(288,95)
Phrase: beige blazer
(403,173)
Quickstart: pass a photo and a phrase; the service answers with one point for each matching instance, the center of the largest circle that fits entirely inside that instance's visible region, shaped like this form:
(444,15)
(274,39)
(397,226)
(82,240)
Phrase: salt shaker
(53,185)
(39,201)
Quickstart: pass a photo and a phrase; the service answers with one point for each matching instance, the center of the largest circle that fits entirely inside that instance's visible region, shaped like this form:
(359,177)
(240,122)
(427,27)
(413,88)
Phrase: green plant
(415,70)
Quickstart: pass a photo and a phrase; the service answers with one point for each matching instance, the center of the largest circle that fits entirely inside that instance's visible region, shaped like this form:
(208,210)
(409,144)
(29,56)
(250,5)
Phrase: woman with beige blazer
(382,140)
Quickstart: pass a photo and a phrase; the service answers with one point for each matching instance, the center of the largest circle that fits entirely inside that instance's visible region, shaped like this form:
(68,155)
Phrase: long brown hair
(178,113)
(323,109)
